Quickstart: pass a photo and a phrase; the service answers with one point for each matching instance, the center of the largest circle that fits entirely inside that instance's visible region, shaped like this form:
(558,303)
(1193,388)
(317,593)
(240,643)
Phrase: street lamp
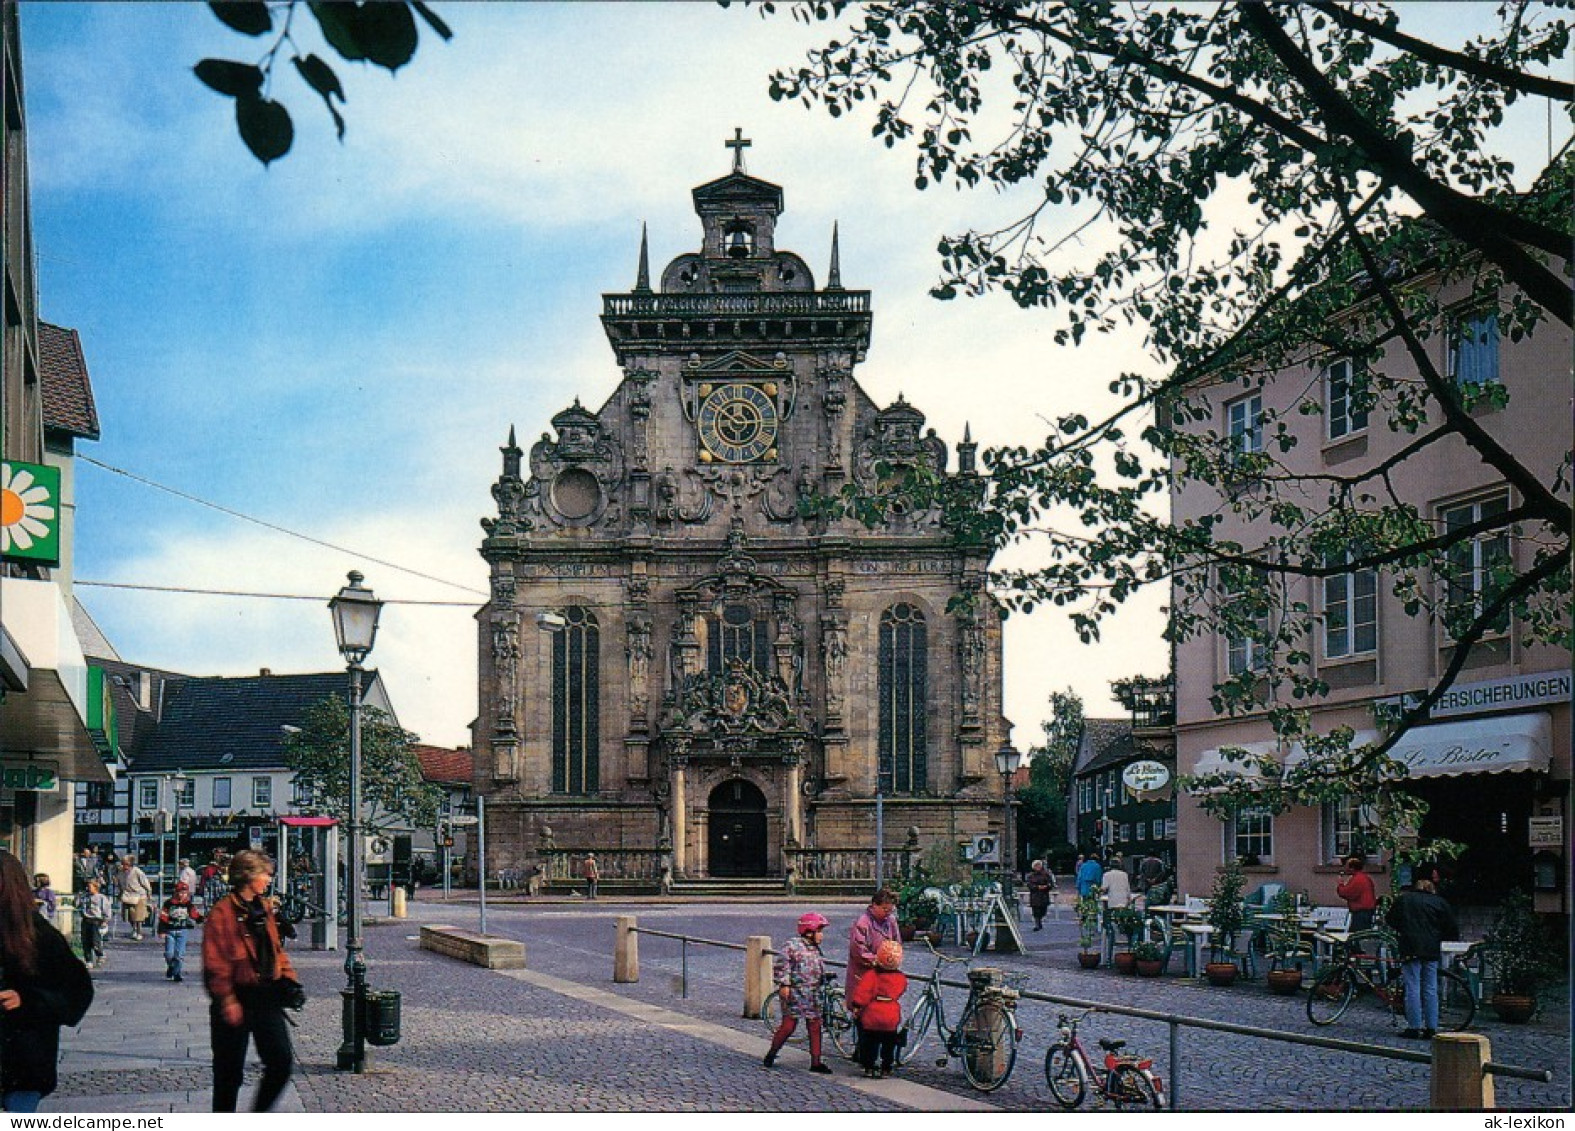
(355,611)
(1006,759)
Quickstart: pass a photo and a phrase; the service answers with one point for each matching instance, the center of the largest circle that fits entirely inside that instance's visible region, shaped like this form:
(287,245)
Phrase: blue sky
(338,344)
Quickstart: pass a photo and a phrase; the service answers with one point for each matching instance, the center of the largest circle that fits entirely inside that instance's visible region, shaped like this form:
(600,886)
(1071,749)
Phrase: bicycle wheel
(1330,995)
(1130,1089)
(771,1016)
(1456,1006)
(988,1039)
(918,1028)
(839,1024)
(1064,1074)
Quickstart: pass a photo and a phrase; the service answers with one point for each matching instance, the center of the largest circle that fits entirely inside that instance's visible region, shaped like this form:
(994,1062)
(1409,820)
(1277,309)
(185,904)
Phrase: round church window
(575,493)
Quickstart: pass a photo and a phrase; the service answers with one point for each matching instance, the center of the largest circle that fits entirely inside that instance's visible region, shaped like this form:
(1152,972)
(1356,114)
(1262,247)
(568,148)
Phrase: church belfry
(729,676)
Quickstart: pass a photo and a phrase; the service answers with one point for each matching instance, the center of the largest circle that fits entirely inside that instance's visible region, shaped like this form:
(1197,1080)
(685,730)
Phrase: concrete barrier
(1459,1082)
(757,973)
(626,951)
(491,951)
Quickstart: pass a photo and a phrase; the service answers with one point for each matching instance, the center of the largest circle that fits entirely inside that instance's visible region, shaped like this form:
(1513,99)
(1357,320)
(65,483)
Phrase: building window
(186,793)
(576,688)
(148,795)
(1477,565)
(1350,612)
(262,793)
(1251,836)
(1473,349)
(1344,416)
(1245,621)
(1142,831)
(737,634)
(1347,828)
(221,793)
(903,680)
(1244,421)
(100,794)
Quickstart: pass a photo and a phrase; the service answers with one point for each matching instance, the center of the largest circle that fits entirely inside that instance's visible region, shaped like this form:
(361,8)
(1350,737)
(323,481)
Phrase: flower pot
(1285,982)
(1220,973)
(907,932)
(1125,962)
(1514,1008)
(1088,959)
(934,937)
(1150,967)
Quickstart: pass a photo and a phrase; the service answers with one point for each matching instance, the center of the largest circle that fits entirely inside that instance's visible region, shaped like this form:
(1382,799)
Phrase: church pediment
(737,363)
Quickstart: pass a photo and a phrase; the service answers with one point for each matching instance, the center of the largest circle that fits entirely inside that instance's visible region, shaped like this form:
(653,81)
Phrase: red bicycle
(1126,1082)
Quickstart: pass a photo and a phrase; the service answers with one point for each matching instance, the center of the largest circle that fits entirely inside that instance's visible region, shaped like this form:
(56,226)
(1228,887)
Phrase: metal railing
(790,302)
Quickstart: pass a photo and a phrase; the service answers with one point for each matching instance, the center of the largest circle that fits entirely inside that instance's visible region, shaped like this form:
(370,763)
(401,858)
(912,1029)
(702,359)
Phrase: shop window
(576,692)
(1473,349)
(902,679)
(1348,825)
(1250,836)
(1350,612)
(262,793)
(221,793)
(1477,566)
(1344,409)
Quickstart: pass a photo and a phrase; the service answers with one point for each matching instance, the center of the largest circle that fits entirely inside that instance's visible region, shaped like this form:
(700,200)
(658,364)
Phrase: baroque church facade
(683,667)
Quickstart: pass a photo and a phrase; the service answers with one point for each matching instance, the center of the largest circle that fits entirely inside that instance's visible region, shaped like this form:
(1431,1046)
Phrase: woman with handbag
(251,982)
(136,893)
(42,987)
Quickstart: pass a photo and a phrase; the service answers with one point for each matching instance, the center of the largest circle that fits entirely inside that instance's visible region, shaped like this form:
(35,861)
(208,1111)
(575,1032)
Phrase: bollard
(626,951)
(757,973)
(1459,1082)
(399,903)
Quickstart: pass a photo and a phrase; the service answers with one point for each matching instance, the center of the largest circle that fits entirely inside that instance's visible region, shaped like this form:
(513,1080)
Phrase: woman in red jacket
(877,1003)
(1357,890)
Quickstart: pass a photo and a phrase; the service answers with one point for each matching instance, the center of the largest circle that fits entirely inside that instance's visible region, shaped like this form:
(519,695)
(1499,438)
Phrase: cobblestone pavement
(561,1036)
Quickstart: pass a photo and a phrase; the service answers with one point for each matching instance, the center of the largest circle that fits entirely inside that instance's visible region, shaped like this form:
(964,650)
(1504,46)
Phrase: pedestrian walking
(136,895)
(1356,888)
(85,868)
(878,924)
(877,1003)
(798,969)
(210,881)
(1423,921)
(1089,875)
(178,916)
(44,896)
(250,981)
(42,987)
(94,911)
(1151,872)
(188,876)
(591,874)
(1116,885)
(1041,887)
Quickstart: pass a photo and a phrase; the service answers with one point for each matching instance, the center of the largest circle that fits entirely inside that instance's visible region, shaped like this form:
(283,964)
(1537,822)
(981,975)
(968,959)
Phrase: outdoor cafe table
(1198,932)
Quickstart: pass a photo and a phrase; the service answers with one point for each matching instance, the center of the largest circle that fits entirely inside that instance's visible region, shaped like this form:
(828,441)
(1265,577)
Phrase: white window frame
(1253,827)
(262,793)
(1481,549)
(148,794)
(229,793)
(1242,653)
(1478,331)
(1355,595)
(1339,821)
(1341,420)
(186,794)
(1244,424)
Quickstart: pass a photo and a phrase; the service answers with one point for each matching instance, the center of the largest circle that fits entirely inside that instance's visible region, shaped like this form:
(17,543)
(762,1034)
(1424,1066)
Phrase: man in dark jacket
(1423,921)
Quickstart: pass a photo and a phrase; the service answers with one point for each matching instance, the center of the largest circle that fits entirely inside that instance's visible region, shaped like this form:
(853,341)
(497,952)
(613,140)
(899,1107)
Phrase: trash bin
(381,1019)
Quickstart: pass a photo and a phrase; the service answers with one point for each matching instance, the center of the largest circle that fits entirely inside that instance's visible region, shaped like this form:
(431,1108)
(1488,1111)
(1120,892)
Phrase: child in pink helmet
(877,1003)
(798,969)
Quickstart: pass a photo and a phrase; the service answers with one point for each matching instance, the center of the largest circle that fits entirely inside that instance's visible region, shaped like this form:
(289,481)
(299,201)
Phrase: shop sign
(1547,832)
(39,777)
(1533,690)
(29,512)
(1146,777)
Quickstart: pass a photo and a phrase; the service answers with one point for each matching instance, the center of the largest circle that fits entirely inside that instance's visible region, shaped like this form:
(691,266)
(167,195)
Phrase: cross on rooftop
(738,144)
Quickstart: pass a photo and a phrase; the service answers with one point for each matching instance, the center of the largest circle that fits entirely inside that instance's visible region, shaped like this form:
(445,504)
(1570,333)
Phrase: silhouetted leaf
(337,22)
(265,127)
(432,20)
(238,80)
(249,17)
(387,33)
(319,76)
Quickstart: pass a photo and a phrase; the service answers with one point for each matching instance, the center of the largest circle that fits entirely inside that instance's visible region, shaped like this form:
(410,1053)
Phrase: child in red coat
(877,1003)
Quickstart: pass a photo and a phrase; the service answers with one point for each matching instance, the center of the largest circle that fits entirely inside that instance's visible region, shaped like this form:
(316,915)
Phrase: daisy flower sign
(29,512)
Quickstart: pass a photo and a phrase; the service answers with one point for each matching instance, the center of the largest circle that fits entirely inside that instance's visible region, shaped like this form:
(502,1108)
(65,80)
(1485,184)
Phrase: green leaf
(265,127)
(387,33)
(337,24)
(319,76)
(432,20)
(238,80)
(249,17)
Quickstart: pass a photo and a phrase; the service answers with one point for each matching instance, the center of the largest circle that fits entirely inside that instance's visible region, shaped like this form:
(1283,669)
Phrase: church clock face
(738,424)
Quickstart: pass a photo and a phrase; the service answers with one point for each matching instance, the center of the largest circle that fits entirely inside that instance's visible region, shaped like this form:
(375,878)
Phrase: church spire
(834,278)
(511,456)
(642,282)
(966,450)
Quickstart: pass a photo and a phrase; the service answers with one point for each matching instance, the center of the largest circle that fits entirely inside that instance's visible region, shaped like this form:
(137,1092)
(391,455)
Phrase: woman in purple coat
(878,924)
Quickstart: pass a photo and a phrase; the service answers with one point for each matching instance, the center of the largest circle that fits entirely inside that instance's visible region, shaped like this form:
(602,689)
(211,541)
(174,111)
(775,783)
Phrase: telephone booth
(307,880)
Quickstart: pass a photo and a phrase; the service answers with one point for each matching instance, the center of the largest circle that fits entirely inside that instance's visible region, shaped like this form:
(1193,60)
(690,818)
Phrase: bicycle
(985,1036)
(1352,972)
(836,1023)
(1126,1082)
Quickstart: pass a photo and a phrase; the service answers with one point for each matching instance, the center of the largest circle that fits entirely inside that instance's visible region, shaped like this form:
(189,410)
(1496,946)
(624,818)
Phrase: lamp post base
(352,1055)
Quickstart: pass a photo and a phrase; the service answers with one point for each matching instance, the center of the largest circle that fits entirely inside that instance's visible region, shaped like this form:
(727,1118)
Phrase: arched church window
(736,633)
(903,688)
(576,688)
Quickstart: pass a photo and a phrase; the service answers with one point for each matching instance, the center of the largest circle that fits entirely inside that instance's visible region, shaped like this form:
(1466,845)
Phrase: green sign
(43,779)
(29,513)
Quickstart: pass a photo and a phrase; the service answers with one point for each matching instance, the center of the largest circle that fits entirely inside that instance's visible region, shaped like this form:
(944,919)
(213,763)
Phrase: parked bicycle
(1126,1082)
(1353,972)
(836,1023)
(985,1036)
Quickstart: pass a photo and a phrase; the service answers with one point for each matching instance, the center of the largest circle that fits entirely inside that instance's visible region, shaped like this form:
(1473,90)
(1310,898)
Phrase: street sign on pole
(463,821)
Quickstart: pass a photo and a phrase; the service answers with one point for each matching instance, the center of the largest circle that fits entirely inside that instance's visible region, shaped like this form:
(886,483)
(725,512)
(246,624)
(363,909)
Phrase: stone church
(686,668)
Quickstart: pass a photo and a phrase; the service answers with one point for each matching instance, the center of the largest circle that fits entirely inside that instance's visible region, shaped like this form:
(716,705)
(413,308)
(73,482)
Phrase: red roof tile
(445,764)
(68,393)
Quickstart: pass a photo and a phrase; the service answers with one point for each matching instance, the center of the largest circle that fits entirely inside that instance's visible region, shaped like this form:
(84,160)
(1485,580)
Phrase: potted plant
(1519,955)
(1150,958)
(1286,950)
(1227,917)
(1127,921)
(1087,908)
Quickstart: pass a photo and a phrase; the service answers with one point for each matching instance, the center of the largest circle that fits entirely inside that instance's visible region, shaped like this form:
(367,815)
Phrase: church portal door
(736,842)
